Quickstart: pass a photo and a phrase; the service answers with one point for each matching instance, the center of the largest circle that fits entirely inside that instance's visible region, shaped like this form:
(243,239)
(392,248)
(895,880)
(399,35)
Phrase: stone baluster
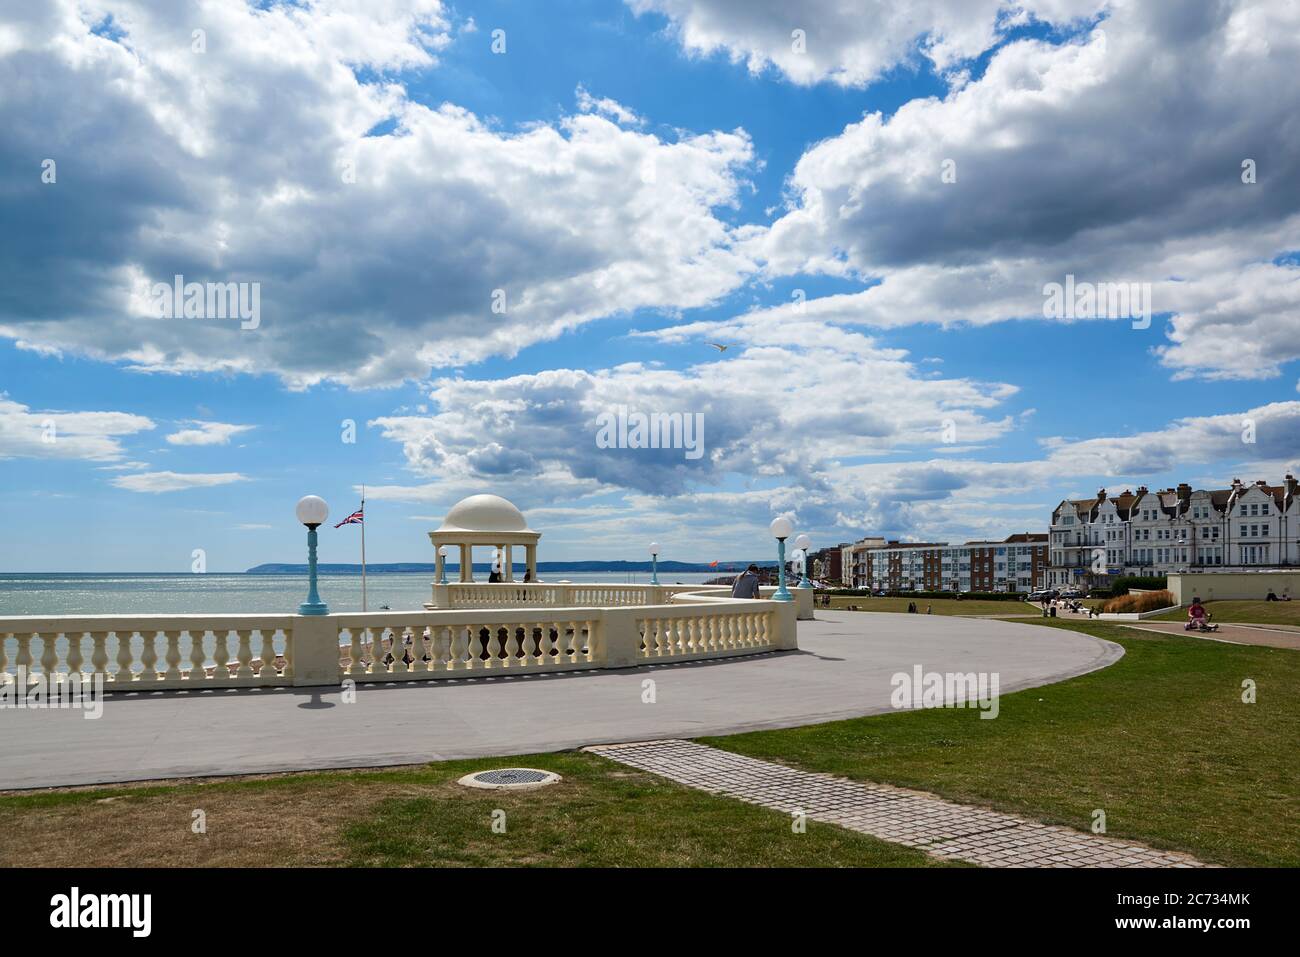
(437,653)
(456,651)
(220,654)
(23,661)
(124,657)
(288,654)
(173,658)
(198,658)
(512,646)
(418,650)
(4,656)
(267,673)
(245,654)
(355,667)
(99,657)
(149,656)
(397,648)
(49,657)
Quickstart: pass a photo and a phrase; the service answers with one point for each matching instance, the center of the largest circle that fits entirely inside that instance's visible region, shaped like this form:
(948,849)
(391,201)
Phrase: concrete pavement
(842,670)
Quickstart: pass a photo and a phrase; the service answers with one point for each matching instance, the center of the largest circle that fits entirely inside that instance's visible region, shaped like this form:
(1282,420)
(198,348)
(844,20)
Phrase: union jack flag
(356,518)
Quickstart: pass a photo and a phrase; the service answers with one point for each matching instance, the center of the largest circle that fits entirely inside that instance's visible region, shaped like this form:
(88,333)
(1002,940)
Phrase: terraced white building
(1243,527)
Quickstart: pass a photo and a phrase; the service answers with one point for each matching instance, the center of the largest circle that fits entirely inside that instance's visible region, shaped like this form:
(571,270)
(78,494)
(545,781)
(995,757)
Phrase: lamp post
(442,564)
(654,563)
(803,543)
(781,529)
(312,512)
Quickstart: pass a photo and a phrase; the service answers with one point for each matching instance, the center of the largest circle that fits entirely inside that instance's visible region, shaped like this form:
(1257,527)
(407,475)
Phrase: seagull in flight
(719,346)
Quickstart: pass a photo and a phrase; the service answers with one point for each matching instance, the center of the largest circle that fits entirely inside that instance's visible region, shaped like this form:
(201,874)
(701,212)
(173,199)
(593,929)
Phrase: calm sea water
(143,594)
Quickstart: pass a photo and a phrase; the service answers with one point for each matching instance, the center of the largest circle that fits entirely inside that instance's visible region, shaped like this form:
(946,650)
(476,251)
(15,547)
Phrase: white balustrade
(437,644)
(528,632)
(147,651)
(714,630)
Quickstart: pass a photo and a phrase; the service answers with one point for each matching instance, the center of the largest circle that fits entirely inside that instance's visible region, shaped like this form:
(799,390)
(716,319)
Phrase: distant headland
(276,568)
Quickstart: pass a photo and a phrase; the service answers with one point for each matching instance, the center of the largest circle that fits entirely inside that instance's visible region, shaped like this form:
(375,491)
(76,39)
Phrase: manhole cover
(509,778)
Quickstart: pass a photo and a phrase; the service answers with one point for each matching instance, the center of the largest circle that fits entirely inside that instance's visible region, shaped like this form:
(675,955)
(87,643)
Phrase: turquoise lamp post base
(654,570)
(313,605)
(782,593)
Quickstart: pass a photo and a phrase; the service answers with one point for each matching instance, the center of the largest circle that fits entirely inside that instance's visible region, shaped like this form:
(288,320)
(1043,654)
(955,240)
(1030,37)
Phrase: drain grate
(501,778)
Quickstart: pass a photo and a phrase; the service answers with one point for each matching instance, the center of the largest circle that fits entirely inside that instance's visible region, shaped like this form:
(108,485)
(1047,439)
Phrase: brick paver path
(943,828)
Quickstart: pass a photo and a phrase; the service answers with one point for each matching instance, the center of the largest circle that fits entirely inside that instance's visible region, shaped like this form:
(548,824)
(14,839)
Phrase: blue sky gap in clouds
(638,180)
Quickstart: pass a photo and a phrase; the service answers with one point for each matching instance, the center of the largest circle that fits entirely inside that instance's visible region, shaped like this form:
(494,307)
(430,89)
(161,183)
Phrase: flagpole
(363,548)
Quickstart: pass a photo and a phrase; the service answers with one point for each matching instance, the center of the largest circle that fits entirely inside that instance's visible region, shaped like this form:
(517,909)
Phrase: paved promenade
(913,818)
(842,670)
(1269,637)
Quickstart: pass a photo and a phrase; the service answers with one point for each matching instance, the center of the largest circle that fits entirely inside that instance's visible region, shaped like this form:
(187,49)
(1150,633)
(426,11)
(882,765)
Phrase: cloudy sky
(476,227)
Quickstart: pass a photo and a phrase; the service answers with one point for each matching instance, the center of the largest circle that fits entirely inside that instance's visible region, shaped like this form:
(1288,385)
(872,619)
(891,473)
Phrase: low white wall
(1233,586)
(147,652)
(1135,615)
(455,595)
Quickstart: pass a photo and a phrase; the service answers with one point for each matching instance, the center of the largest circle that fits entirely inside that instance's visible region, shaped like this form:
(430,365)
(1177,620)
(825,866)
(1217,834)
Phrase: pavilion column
(466,563)
(507,564)
(531,552)
(437,565)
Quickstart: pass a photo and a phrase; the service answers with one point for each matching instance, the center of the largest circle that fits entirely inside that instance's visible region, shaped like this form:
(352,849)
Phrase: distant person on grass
(746,583)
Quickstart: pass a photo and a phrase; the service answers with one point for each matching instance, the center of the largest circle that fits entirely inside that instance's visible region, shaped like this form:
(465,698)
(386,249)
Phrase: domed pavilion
(485,520)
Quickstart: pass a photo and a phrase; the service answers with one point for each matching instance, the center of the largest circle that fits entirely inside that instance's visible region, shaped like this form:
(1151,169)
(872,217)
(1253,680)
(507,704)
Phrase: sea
(143,593)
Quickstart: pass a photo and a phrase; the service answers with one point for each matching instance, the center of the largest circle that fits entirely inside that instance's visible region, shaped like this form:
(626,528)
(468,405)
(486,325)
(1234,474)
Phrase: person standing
(746,583)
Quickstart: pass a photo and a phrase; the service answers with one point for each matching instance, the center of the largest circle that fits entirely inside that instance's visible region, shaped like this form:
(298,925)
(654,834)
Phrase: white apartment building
(1177,529)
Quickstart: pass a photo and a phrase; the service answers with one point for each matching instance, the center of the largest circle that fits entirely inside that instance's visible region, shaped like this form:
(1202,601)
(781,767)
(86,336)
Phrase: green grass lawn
(1251,612)
(939,606)
(1160,741)
(601,815)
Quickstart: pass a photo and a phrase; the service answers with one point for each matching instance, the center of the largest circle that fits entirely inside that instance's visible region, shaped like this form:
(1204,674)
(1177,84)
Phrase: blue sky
(640,179)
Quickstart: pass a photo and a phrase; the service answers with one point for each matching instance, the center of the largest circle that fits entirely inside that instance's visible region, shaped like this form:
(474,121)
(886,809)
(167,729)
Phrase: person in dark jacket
(746,583)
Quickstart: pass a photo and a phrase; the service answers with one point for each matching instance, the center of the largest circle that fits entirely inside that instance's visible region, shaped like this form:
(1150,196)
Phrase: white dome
(484,513)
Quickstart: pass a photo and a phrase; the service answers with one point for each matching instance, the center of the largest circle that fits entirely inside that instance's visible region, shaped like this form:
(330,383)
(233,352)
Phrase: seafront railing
(533,594)
(455,595)
(199,652)
(158,651)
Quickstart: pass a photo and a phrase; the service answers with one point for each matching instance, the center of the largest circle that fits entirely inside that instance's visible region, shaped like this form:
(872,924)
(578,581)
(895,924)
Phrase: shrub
(1122,584)
(1133,604)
